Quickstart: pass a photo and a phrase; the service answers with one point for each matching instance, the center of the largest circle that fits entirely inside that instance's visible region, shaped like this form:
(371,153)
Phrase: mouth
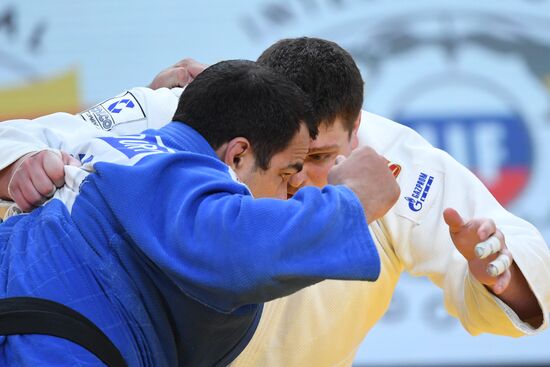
(290,194)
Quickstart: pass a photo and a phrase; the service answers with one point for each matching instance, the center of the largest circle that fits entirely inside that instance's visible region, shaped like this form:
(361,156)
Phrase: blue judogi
(170,256)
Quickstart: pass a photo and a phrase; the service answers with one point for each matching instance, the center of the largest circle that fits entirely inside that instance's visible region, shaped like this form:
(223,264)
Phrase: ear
(238,153)
(354,133)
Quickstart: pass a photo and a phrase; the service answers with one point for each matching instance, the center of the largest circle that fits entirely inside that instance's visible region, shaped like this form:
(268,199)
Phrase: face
(273,182)
(332,141)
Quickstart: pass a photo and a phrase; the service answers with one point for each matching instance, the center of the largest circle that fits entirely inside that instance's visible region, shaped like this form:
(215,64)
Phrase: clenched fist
(366,173)
(33,178)
(178,75)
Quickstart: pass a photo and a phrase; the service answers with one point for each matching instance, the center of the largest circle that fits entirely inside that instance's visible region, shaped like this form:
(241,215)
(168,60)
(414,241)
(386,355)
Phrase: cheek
(271,187)
(259,187)
(317,174)
(347,150)
(282,191)
(354,143)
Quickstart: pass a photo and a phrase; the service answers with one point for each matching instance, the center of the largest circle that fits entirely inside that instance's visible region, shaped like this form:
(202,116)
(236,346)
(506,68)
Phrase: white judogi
(324,324)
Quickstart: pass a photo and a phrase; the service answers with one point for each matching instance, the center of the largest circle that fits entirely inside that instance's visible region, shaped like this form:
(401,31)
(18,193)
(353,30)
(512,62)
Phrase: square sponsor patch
(118,110)
(420,188)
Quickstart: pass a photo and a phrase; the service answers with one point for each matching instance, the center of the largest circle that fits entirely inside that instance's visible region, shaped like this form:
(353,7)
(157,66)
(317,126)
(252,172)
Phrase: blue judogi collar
(185,138)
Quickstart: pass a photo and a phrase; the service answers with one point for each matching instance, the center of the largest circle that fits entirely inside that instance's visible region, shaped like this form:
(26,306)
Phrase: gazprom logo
(420,192)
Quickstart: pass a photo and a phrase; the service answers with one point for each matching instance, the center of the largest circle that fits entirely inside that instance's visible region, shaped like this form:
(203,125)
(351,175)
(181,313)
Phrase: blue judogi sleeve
(226,249)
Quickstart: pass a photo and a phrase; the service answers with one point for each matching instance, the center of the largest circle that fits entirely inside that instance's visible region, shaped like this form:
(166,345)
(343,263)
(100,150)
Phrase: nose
(297,180)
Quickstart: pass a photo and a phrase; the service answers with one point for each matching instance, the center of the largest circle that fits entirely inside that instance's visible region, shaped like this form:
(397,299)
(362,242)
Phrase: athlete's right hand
(366,173)
(178,75)
(35,177)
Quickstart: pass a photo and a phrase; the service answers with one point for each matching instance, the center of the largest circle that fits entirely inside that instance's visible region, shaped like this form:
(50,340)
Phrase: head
(329,76)
(258,122)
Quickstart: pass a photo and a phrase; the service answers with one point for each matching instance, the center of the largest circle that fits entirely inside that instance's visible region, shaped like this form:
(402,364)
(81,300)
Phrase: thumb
(453,220)
(339,159)
(69,160)
(53,167)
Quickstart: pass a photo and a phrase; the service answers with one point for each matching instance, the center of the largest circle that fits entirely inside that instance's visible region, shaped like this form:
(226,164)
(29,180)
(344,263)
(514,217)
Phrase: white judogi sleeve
(130,112)
(430,181)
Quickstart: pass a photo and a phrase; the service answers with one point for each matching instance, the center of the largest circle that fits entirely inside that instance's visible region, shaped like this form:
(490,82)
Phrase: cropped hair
(326,73)
(240,98)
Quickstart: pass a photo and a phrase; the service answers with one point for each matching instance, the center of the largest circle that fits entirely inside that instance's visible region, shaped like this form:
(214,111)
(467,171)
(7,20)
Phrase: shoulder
(134,110)
(383,134)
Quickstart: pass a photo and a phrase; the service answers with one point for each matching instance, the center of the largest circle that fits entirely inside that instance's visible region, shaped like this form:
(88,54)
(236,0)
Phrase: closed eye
(319,157)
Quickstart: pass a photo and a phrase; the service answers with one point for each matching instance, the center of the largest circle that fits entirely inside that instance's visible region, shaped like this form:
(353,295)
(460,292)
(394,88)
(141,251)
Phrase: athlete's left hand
(35,177)
(178,75)
(484,246)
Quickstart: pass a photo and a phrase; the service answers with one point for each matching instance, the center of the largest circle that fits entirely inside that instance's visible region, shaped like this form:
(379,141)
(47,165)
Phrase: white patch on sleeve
(420,188)
(73,179)
(118,110)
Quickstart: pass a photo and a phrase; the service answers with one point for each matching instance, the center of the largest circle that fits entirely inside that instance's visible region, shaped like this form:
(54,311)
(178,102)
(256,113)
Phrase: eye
(319,157)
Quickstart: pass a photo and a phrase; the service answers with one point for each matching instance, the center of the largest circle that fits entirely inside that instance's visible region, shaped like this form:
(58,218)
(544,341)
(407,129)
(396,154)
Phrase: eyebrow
(323,148)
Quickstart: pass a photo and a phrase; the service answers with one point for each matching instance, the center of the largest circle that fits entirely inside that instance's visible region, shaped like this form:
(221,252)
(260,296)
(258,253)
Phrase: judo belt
(27,315)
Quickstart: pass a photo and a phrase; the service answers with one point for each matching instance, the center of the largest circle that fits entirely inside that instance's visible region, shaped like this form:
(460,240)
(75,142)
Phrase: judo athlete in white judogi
(323,325)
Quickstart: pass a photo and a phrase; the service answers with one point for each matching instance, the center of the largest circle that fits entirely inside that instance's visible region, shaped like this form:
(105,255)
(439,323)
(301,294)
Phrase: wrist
(5,178)
(519,296)
(7,173)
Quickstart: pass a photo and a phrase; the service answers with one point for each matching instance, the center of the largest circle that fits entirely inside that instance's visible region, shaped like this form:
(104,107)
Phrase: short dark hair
(325,71)
(242,98)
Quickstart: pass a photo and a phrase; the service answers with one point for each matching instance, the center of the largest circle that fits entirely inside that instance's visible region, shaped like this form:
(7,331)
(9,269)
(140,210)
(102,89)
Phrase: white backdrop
(472,76)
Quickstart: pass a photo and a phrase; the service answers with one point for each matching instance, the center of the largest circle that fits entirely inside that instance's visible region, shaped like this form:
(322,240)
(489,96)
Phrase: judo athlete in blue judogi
(164,250)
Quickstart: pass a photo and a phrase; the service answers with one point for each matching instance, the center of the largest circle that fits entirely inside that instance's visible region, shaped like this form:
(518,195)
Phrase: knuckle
(498,234)
(34,197)
(397,192)
(26,163)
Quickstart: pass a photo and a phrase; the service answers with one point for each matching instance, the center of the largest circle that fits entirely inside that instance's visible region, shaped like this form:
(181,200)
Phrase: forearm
(5,176)
(521,299)
(298,249)
(267,248)
(427,249)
